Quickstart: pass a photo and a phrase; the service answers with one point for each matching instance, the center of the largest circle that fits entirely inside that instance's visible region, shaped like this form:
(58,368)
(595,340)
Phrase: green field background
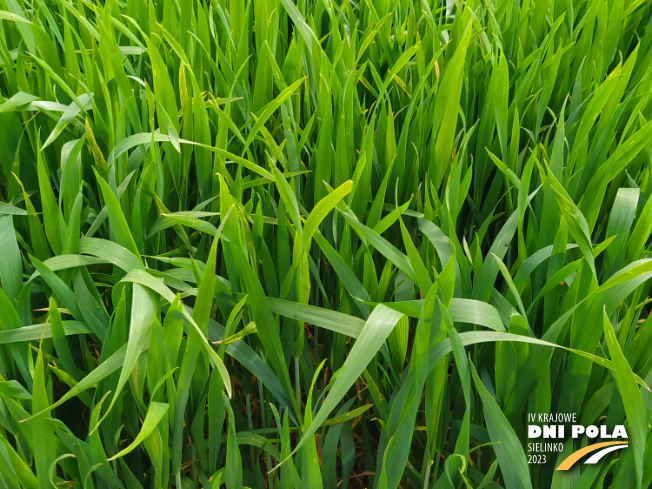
(323,243)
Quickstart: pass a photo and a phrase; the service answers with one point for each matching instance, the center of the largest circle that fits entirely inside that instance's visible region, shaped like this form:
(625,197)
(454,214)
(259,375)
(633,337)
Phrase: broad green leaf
(376,330)
(155,413)
(508,448)
(631,395)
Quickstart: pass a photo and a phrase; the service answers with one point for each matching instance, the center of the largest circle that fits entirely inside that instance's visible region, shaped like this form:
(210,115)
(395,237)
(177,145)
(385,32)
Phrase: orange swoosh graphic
(575,456)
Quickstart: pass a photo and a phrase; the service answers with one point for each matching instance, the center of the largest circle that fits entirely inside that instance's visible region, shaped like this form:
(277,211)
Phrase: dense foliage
(359,240)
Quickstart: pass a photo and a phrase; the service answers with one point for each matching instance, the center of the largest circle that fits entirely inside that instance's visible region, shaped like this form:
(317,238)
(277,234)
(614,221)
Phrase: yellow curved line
(575,456)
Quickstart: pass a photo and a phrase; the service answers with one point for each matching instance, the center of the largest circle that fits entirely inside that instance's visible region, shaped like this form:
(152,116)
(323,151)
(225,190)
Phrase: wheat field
(316,244)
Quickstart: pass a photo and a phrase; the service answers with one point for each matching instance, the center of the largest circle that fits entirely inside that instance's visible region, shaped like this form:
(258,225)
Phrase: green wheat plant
(322,244)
